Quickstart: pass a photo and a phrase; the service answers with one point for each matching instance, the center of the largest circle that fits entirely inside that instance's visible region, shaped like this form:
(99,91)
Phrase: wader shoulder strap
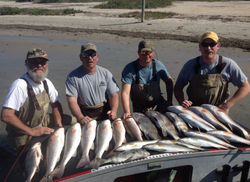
(197,66)
(154,70)
(137,71)
(32,94)
(220,66)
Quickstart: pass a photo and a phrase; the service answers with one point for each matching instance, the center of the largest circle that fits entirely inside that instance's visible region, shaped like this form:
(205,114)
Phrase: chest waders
(208,89)
(33,114)
(97,112)
(145,96)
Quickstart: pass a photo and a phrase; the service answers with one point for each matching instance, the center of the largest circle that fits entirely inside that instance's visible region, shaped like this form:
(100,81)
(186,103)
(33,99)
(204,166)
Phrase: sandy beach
(231,20)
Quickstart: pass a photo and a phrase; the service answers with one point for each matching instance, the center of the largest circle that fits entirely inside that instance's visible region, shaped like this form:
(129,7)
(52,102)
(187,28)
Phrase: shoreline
(230,20)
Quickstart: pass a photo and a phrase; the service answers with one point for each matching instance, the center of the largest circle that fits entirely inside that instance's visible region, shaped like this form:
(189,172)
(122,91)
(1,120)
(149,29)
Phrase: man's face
(145,57)
(37,69)
(89,60)
(209,48)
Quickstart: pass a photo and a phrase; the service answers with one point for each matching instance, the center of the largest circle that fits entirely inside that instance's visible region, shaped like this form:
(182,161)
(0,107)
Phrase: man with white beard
(27,102)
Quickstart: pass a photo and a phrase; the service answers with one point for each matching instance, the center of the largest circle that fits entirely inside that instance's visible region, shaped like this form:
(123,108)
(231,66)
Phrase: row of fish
(193,129)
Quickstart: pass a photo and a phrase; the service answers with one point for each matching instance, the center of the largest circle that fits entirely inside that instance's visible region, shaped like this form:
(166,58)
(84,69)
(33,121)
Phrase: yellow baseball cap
(209,35)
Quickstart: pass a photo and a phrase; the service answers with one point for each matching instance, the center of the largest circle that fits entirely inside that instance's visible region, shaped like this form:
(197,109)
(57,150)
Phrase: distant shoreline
(226,42)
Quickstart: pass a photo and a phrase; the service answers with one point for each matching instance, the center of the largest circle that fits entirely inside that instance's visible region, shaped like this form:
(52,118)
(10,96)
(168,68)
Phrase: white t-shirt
(18,92)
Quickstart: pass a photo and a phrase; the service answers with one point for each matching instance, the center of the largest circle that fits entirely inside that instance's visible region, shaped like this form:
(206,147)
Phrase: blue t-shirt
(231,72)
(145,73)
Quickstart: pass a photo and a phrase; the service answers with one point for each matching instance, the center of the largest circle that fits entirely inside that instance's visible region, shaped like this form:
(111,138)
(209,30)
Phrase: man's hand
(186,103)
(42,131)
(85,120)
(126,115)
(224,107)
(112,115)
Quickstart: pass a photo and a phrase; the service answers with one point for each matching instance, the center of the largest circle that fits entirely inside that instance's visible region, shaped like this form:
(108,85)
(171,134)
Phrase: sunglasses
(212,44)
(146,52)
(35,62)
(86,55)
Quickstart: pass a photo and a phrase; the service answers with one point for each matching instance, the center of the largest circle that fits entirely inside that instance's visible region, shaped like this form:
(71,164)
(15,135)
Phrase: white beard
(37,77)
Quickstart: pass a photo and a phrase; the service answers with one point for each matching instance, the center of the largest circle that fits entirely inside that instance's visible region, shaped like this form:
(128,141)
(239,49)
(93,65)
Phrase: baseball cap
(37,53)
(209,35)
(145,45)
(88,46)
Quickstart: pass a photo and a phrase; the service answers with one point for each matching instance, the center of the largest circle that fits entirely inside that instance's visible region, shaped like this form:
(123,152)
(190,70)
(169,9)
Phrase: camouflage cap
(37,53)
(88,46)
(145,45)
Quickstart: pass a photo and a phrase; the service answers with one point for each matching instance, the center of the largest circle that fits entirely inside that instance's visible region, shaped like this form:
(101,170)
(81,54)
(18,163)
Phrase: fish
(209,137)
(181,109)
(72,141)
(146,126)
(32,161)
(179,124)
(103,137)
(208,116)
(133,129)
(127,156)
(161,147)
(229,137)
(222,116)
(134,145)
(53,152)
(163,123)
(195,122)
(87,142)
(174,142)
(118,135)
(202,143)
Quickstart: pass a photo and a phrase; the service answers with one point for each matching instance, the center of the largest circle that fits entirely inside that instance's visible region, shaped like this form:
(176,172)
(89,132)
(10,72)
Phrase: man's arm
(179,95)
(8,116)
(241,92)
(125,99)
(169,89)
(76,111)
(114,104)
(57,113)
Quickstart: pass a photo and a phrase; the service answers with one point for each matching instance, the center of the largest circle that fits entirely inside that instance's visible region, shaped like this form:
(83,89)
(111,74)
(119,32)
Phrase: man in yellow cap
(27,102)
(208,76)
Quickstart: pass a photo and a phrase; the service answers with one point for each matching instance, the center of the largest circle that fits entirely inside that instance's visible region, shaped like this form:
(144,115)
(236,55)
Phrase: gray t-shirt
(231,72)
(90,89)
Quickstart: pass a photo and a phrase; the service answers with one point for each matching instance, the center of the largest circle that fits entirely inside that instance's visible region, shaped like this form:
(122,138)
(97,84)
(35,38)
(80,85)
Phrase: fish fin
(92,146)
(124,141)
(230,127)
(199,129)
(44,179)
(58,172)
(107,148)
(111,153)
(75,153)
(83,162)
(95,163)
(37,169)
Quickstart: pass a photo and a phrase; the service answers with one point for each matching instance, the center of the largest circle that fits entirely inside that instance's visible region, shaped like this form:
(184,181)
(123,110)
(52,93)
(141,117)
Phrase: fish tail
(83,162)
(111,153)
(95,163)
(44,179)
(58,172)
